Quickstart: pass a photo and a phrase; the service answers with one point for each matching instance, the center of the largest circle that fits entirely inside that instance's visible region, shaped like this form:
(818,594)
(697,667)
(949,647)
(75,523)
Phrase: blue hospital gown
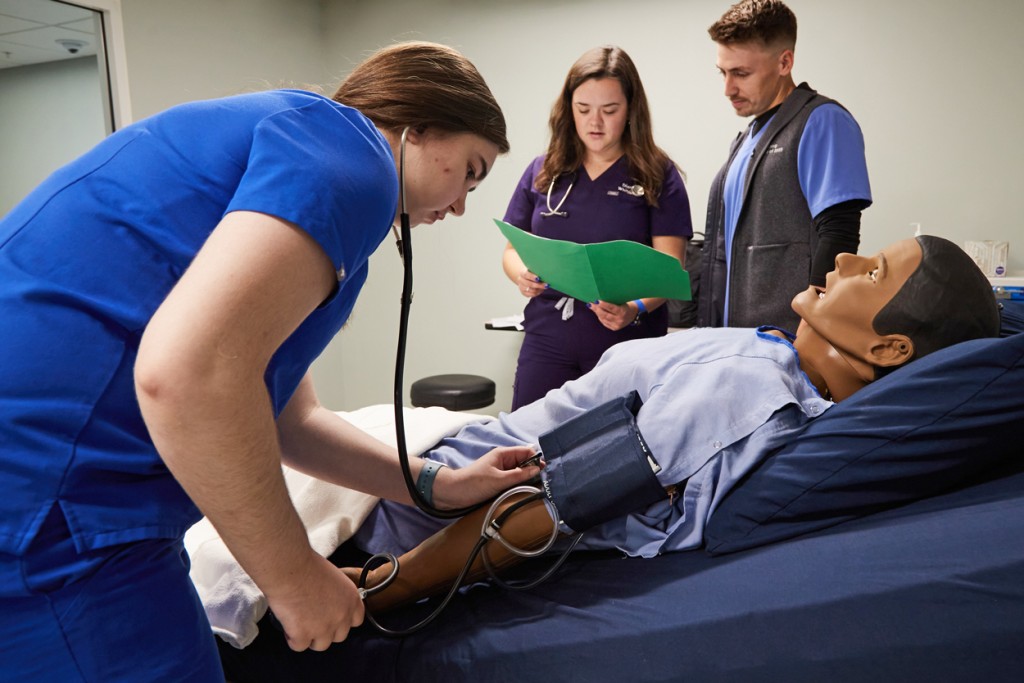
(716,402)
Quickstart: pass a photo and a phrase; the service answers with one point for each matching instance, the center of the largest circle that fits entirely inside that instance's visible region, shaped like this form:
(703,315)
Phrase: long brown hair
(424,85)
(647,161)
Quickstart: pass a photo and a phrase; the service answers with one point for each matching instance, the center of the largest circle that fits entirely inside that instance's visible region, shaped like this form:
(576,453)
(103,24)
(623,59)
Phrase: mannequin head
(880,312)
(945,301)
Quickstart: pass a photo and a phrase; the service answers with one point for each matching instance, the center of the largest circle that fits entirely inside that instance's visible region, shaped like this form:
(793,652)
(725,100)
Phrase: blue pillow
(919,431)
(1012,317)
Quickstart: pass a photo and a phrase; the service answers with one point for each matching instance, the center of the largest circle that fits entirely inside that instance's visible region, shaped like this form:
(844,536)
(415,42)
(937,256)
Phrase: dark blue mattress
(930,591)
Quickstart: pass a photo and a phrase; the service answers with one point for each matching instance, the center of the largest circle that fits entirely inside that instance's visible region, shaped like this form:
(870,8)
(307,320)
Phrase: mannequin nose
(847,263)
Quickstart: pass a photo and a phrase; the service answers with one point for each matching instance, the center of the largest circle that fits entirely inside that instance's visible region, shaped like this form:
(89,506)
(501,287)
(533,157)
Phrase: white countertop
(1011,280)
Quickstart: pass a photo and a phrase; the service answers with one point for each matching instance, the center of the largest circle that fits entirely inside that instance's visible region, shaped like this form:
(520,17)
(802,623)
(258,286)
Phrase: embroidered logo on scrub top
(341,273)
(632,190)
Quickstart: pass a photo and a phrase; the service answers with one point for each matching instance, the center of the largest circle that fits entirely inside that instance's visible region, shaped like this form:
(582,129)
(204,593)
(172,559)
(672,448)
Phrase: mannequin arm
(433,565)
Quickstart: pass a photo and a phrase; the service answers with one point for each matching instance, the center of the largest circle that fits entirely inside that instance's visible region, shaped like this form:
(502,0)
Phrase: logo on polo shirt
(632,190)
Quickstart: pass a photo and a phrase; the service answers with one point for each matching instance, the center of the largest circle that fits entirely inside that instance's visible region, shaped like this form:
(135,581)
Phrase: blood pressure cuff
(598,465)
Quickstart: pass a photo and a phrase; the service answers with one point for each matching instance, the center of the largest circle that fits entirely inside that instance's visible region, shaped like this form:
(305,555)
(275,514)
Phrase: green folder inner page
(616,272)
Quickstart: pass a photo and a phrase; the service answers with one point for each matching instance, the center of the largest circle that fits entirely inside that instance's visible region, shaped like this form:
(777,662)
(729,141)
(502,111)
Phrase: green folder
(616,272)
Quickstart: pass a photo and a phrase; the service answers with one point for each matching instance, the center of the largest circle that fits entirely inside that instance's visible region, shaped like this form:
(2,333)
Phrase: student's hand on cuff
(483,479)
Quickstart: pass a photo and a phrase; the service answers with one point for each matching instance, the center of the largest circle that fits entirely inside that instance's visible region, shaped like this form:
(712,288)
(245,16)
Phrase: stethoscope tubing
(405,249)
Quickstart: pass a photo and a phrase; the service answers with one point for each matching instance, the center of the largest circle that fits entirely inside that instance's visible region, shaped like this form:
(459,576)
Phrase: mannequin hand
(614,316)
(320,609)
(529,284)
(497,471)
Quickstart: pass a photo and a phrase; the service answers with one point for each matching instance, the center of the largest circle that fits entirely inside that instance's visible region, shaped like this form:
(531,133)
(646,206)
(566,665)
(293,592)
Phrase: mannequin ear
(891,350)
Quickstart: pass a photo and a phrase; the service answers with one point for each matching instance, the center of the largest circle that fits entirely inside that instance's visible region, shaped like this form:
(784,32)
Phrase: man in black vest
(789,198)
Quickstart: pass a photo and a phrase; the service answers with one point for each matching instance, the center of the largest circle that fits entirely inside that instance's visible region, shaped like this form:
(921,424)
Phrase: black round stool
(454,392)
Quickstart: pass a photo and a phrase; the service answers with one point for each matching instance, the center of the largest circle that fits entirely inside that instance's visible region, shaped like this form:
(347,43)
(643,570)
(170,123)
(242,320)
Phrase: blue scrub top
(87,258)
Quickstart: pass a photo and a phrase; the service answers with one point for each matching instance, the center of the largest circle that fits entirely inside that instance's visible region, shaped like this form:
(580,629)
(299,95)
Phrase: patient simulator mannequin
(715,402)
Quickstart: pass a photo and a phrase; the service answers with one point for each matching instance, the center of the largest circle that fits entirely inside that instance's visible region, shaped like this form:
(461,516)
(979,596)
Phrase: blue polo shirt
(830,165)
(87,258)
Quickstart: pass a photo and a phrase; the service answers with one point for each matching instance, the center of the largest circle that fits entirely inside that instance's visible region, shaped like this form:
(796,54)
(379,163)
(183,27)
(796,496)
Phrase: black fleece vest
(775,236)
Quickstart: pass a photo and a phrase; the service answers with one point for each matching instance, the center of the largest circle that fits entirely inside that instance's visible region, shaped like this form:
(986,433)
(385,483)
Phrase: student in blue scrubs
(602,179)
(162,299)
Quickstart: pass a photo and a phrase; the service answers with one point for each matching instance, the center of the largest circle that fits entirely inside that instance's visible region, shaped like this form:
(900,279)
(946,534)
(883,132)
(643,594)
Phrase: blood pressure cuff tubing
(598,465)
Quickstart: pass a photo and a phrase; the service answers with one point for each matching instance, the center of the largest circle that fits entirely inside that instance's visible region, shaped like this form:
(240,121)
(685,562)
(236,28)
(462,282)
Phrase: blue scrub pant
(125,613)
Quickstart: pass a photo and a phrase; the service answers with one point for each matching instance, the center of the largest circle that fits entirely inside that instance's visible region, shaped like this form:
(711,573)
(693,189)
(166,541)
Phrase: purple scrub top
(609,207)
(612,206)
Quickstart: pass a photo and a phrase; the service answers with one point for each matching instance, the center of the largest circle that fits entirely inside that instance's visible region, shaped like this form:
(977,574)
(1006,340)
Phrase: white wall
(929,82)
(182,50)
(49,114)
(932,83)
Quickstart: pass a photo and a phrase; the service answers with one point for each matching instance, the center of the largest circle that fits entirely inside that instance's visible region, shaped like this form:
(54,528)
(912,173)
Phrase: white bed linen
(331,514)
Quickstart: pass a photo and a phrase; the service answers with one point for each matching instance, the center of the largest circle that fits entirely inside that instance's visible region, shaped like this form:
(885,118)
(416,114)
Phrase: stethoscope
(492,521)
(557,210)
(404,244)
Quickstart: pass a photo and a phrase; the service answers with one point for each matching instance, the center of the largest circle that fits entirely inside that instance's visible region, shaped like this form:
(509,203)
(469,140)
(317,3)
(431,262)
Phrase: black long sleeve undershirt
(838,230)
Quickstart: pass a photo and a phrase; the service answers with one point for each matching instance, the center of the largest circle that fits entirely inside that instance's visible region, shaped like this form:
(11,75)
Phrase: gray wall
(931,83)
(49,114)
(926,80)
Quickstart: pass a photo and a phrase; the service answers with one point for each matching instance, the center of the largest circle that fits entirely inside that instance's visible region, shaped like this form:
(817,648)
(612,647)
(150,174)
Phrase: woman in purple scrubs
(602,179)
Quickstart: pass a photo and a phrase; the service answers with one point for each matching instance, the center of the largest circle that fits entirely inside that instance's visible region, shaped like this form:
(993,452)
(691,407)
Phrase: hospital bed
(885,544)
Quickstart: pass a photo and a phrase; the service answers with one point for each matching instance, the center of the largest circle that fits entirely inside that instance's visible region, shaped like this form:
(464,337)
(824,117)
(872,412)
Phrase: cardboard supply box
(990,255)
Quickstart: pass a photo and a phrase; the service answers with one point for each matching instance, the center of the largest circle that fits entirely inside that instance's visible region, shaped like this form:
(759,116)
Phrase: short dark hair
(767,21)
(945,301)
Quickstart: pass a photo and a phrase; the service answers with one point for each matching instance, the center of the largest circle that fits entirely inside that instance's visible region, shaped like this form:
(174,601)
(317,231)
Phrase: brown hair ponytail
(424,85)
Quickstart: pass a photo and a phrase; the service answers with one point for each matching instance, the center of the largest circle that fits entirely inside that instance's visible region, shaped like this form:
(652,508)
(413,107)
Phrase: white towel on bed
(331,514)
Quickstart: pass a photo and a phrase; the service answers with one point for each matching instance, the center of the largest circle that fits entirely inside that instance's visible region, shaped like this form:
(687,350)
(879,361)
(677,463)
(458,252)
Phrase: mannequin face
(441,169)
(858,288)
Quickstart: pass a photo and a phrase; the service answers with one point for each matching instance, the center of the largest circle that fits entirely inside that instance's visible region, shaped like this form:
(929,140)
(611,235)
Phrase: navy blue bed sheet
(931,591)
